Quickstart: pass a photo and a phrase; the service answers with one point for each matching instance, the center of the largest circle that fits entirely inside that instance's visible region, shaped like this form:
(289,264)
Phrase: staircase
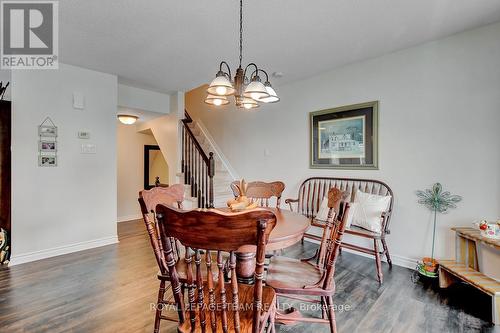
(203,171)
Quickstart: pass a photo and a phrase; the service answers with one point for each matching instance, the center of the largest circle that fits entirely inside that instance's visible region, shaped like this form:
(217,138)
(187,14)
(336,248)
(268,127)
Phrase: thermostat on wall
(83,135)
(89,148)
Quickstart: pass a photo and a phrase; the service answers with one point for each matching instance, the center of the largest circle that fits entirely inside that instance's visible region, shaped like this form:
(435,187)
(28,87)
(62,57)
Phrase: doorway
(155,167)
(5,180)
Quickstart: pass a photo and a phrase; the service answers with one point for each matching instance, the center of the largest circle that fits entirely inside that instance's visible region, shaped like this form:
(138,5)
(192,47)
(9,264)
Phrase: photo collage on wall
(47,144)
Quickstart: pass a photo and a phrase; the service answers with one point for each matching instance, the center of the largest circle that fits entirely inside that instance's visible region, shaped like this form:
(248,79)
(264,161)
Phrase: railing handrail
(201,182)
(196,143)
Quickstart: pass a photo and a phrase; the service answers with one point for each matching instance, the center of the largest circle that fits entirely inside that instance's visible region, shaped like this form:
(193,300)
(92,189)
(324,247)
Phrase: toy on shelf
(489,230)
(242,202)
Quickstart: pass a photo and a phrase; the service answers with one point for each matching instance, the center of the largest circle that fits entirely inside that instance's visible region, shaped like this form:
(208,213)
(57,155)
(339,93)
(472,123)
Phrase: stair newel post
(211,174)
(186,163)
(183,144)
(206,186)
(204,181)
(195,159)
(199,187)
(191,173)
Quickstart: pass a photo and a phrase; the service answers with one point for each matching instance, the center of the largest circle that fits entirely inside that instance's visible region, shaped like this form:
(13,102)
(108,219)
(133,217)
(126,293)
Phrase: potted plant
(438,202)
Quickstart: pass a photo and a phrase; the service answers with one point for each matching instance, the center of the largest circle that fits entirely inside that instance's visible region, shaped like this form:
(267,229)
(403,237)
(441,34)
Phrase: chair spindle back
(214,230)
(261,192)
(148,199)
(333,247)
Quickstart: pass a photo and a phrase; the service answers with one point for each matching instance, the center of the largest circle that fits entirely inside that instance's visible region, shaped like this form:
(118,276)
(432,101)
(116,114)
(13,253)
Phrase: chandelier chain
(247,91)
(241,31)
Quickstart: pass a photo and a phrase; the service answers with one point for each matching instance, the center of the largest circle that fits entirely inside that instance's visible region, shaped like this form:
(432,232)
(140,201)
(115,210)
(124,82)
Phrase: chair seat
(245,296)
(355,230)
(287,274)
(182,269)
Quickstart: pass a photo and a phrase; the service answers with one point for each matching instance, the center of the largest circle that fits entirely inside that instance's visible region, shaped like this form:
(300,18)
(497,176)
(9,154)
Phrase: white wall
(166,131)
(439,121)
(157,167)
(136,98)
(130,163)
(72,206)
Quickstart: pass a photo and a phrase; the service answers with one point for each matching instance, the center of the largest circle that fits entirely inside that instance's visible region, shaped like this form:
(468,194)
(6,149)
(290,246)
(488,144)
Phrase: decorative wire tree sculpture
(438,202)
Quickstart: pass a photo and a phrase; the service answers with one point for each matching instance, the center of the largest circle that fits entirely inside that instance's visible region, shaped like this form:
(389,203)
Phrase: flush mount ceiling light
(248,91)
(127,119)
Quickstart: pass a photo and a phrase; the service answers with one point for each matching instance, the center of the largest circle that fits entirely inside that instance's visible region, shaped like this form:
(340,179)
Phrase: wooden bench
(467,267)
(313,190)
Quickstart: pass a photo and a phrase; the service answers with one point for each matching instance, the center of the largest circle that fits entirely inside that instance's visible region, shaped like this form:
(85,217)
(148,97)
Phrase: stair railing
(198,168)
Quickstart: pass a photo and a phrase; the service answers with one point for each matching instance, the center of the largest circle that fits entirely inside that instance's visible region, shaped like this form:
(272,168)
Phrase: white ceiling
(168,45)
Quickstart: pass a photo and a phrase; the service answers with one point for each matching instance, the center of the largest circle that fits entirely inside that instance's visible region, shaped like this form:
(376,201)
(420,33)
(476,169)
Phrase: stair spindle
(198,168)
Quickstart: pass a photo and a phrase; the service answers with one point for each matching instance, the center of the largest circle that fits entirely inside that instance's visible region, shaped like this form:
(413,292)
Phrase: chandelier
(246,87)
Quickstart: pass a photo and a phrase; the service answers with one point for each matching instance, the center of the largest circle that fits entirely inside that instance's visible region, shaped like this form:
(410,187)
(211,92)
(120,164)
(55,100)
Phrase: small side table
(467,266)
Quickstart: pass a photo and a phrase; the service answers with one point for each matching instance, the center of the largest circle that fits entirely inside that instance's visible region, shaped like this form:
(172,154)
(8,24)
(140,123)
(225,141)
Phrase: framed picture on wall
(47,161)
(345,137)
(47,131)
(47,146)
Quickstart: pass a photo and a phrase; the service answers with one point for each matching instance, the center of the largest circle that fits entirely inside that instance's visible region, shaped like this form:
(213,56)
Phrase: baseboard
(128,218)
(396,259)
(57,251)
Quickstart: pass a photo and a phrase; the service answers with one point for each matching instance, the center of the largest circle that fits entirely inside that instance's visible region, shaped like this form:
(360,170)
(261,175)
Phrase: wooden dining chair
(219,307)
(148,199)
(261,192)
(335,198)
(301,280)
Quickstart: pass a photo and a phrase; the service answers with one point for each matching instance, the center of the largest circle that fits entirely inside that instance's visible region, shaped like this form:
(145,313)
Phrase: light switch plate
(89,148)
(78,101)
(83,135)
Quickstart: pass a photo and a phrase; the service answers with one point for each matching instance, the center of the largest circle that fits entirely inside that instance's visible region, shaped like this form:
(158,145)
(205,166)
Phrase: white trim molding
(127,218)
(396,259)
(57,251)
(218,151)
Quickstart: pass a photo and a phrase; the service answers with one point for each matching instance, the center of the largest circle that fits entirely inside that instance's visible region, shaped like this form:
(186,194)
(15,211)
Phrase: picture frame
(47,131)
(345,137)
(47,160)
(47,146)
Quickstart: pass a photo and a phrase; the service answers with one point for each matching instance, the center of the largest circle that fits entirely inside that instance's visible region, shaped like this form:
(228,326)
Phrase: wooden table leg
(245,267)
(445,278)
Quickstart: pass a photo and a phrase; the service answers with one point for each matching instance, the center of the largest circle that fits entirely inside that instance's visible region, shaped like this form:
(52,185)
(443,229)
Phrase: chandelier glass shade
(249,103)
(221,85)
(272,98)
(216,100)
(256,90)
(246,86)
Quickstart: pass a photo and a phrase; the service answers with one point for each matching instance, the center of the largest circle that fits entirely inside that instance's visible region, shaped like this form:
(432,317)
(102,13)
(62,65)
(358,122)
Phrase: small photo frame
(47,161)
(47,131)
(47,146)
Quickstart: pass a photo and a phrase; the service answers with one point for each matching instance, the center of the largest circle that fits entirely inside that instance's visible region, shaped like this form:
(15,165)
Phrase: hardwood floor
(110,289)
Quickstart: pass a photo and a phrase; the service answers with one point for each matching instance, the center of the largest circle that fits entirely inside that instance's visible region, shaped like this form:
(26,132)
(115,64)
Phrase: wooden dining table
(289,230)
